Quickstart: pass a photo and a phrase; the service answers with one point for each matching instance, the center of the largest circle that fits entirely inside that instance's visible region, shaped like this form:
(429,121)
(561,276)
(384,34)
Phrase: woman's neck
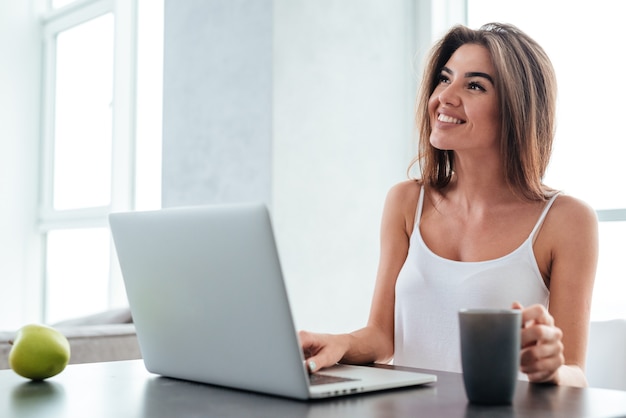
(479,184)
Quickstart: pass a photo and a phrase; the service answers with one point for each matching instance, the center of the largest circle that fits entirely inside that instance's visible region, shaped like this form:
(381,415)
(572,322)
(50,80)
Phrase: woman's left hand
(542,348)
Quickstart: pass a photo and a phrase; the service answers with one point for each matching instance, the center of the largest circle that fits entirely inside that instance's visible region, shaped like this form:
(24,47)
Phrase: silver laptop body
(209,303)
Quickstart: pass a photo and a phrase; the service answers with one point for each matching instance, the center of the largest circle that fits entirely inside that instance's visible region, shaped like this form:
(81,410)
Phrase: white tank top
(431,289)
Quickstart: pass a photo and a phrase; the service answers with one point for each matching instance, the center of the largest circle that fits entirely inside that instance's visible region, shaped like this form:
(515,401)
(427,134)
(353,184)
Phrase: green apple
(39,352)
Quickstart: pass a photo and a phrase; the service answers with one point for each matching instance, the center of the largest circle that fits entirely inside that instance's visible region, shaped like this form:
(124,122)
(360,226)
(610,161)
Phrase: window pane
(83,115)
(60,3)
(588,153)
(610,287)
(77,273)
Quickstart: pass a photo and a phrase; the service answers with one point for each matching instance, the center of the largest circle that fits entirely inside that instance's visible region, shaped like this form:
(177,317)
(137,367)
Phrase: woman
(479,229)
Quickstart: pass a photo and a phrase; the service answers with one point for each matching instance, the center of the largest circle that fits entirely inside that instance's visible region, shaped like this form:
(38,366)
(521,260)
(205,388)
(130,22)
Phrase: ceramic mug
(490,353)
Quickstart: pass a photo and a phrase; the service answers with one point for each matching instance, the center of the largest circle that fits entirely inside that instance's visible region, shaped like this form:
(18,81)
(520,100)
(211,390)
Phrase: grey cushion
(113,316)
(107,336)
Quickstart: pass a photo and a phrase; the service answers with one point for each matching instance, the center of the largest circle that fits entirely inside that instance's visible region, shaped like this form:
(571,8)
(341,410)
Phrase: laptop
(209,303)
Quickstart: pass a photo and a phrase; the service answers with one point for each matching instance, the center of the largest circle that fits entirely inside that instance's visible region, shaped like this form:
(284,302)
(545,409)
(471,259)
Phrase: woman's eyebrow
(470,74)
(479,74)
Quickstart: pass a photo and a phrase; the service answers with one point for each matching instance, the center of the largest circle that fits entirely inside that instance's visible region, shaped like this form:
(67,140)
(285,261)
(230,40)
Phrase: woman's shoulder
(571,208)
(405,192)
(401,204)
(569,216)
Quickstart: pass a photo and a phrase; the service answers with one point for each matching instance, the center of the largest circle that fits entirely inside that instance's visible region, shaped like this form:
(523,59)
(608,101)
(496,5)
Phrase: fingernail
(312,366)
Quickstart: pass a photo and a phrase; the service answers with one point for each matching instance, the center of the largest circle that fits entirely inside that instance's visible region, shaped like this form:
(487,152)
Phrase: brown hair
(526,87)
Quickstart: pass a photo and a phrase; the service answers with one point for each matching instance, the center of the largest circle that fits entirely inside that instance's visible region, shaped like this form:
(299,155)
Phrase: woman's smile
(449,119)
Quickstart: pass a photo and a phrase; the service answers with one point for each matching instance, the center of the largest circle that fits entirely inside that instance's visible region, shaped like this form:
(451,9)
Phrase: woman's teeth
(448,119)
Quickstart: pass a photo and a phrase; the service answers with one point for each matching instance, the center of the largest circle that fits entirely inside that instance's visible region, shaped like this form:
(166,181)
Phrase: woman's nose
(450,95)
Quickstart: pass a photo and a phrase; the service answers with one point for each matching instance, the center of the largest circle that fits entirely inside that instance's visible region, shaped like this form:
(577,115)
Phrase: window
(588,149)
(60,3)
(83,101)
(94,145)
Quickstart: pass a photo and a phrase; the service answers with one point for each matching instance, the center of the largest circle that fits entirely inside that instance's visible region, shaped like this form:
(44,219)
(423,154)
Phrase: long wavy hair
(526,87)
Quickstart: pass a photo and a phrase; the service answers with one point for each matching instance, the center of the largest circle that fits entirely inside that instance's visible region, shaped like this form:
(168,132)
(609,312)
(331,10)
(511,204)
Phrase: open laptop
(209,303)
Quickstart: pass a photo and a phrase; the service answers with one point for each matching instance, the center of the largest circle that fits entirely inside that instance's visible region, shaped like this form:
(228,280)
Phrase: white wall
(341,110)
(217,98)
(344,88)
(19,128)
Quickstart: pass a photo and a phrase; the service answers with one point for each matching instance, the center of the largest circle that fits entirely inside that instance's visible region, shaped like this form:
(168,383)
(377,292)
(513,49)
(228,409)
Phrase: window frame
(611,215)
(53,22)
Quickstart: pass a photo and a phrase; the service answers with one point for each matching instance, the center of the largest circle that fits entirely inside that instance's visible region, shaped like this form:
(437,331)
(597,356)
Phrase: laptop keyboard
(322,379)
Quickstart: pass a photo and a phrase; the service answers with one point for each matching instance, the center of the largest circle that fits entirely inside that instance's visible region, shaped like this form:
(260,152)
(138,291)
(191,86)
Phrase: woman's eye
(443,79)
(476,86)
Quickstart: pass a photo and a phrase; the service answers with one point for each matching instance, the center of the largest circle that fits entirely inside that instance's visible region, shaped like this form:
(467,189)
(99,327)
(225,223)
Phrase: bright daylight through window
(588,155)
(83,118)
(101,144)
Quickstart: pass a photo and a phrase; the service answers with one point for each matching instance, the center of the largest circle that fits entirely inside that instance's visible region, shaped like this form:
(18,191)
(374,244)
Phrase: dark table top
(126,389)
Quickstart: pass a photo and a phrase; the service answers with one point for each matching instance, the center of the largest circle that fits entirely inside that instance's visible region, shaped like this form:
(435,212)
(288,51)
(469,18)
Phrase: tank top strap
(533,234)
(420,205)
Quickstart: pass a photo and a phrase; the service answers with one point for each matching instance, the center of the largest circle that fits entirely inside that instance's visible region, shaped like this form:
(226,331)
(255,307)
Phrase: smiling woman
(479,229)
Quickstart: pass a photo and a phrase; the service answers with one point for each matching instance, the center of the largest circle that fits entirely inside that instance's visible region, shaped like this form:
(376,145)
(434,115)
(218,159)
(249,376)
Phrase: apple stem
(10,342)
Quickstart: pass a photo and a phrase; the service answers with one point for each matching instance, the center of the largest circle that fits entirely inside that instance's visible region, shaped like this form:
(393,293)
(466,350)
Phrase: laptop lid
(208,299)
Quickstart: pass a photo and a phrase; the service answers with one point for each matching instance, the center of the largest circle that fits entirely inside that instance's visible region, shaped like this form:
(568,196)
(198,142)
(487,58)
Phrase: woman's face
(463,109)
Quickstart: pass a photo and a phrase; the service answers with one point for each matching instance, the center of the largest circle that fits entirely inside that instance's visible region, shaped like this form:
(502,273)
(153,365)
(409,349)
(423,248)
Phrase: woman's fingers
(537,314)
(540,334)
(542,348)
(318,350)
(538,356)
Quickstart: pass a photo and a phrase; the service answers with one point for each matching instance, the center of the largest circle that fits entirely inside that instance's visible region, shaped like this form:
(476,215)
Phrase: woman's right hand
(322,350)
